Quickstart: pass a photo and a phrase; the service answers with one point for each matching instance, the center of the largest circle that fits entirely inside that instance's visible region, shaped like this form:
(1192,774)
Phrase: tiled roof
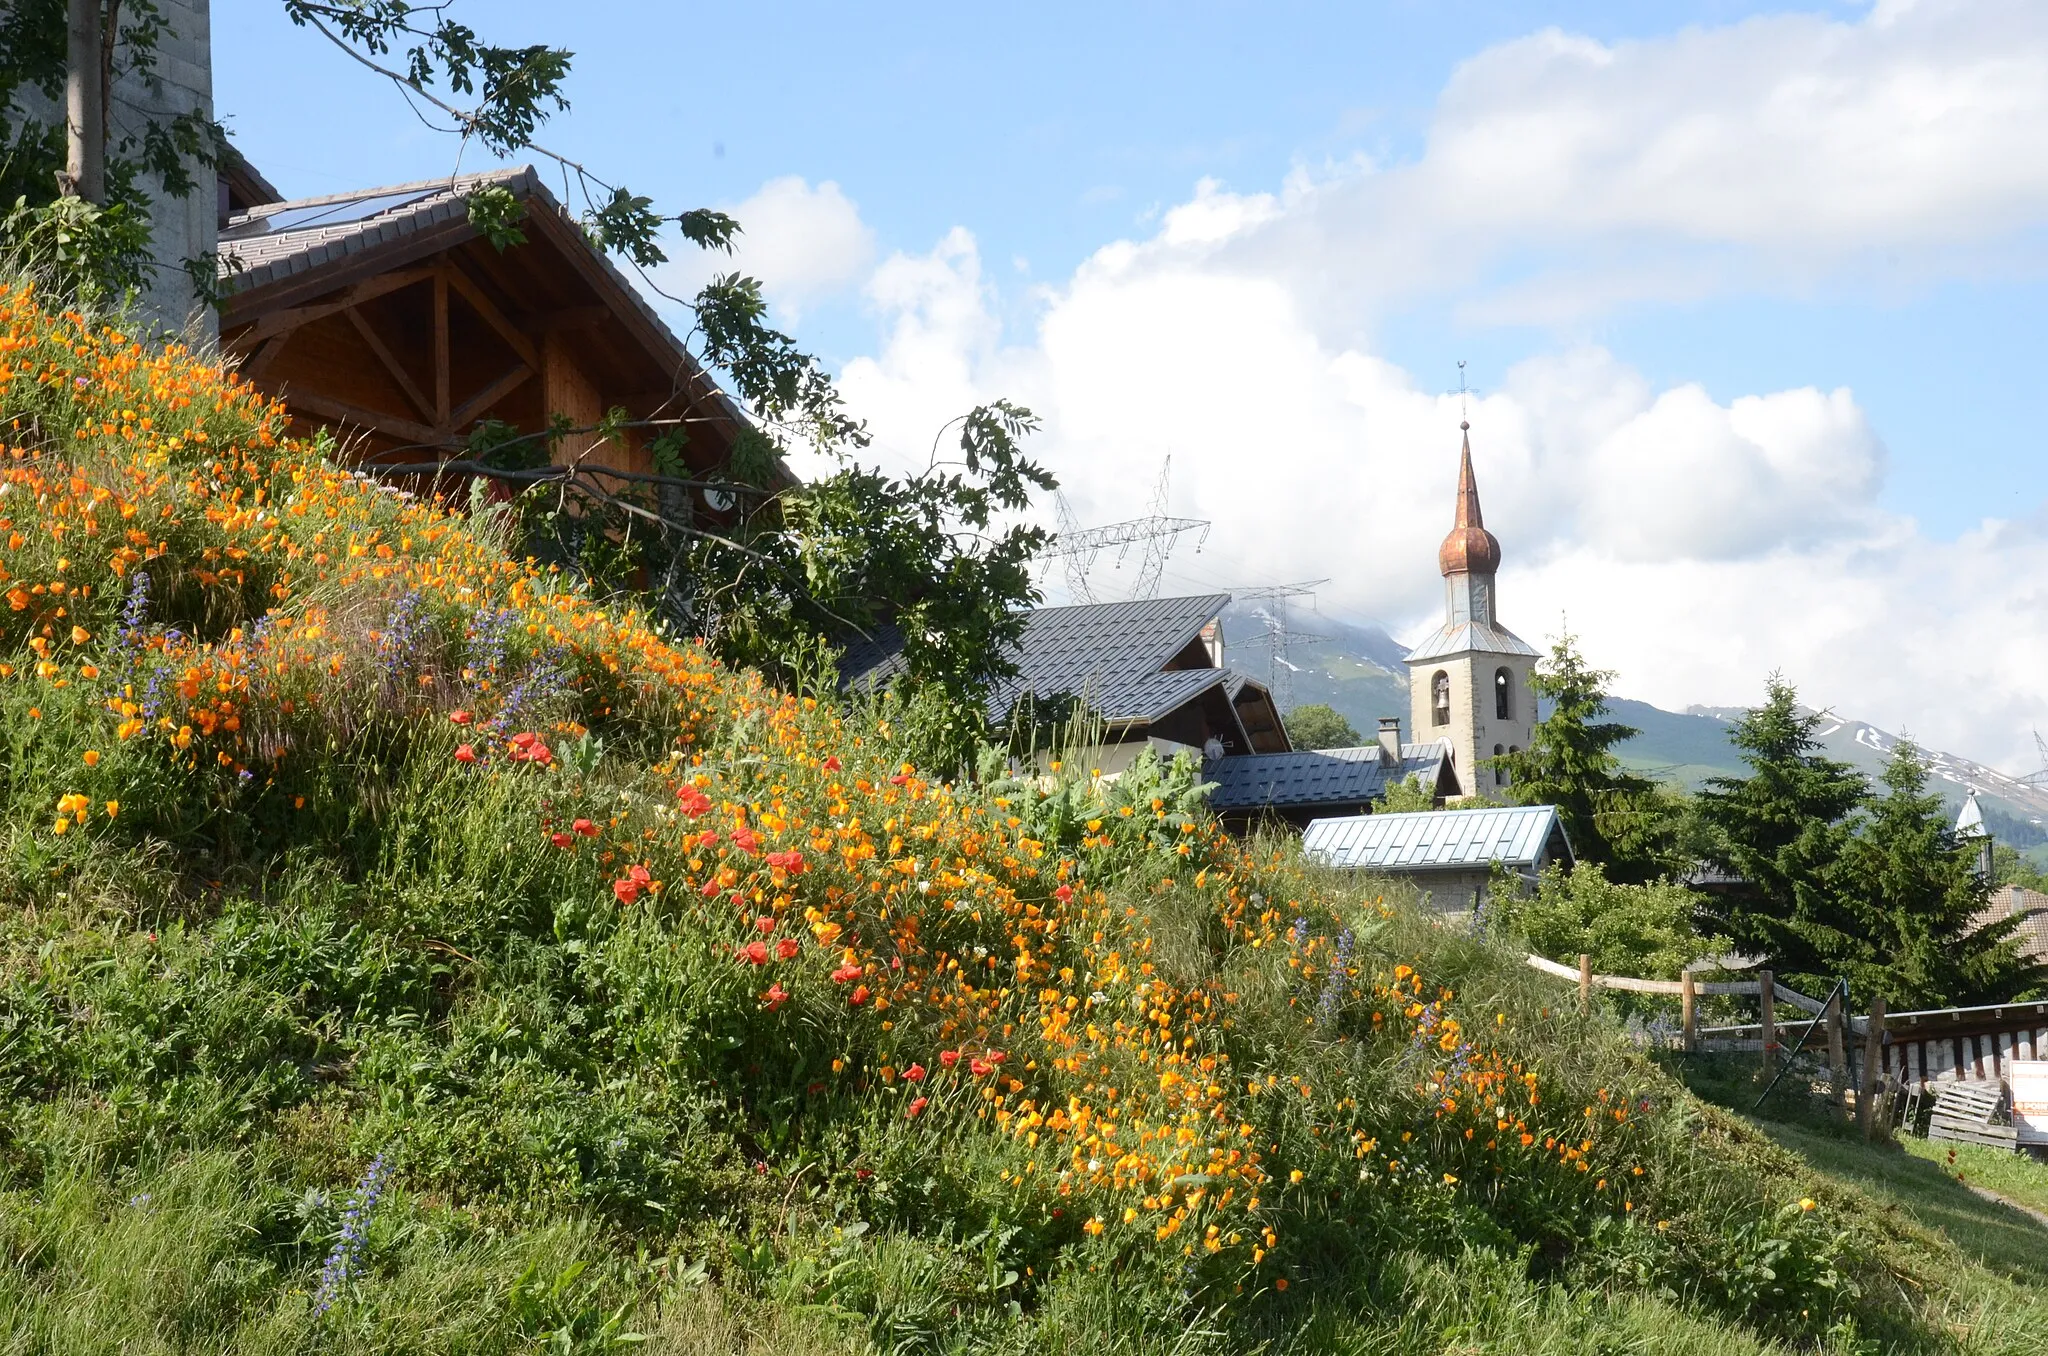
(278,240)
(1110,654)
(1316,776)
(2032,933)
(1440,840)
(1450,640)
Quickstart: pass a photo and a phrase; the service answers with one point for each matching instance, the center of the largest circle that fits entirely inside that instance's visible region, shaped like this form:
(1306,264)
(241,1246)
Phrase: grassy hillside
(403,951)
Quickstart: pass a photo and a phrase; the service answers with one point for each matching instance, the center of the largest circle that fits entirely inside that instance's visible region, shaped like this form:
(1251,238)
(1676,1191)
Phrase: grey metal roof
(1111,654)
(1464,636)
(1317,776)
(1440,840)
(1970,823)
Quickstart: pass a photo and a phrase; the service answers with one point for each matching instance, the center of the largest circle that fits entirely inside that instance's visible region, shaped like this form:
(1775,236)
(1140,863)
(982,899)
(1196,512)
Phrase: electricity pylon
(1157,531)
(1280,634)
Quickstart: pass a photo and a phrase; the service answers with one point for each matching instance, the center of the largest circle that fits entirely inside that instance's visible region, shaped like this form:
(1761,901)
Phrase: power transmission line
(1280,634)
(1158,532)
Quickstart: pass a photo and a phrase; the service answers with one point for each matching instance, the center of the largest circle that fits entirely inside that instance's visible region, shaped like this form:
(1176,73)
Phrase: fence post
(1873,1070)
(1833,1015)
(1767,1005)
(1688,1010)
(1585,983)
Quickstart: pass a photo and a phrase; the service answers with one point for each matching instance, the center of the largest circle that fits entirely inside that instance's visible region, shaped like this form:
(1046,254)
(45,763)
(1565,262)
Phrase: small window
(1440,699)
(1500,774)
(1503,694)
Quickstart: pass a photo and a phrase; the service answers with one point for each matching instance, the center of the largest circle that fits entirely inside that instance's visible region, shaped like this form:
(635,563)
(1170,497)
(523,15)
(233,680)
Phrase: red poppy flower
(862,1174)
(464,754)
(755,953)
(949,1057)
(692,802)
(764,923)
(786,949)
(776,996)
(845,973)
(832,763)
(898,779)
(746,840)
(561,840)
(981,1067)
(792,862)
(914,1074)
(461,717)
(1064,894)
(626,890)
(710,889)
(640,876)
(859,995)
(585,827)
(707,838)
(917,1105)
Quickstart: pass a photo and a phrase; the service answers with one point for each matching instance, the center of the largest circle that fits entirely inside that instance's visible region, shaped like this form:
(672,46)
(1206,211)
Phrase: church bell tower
(1469,683)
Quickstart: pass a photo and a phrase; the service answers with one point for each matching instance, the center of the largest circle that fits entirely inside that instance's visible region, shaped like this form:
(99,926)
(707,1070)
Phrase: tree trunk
(85,103)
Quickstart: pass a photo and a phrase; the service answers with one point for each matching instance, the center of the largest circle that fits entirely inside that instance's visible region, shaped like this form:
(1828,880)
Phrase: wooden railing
(1901,1049)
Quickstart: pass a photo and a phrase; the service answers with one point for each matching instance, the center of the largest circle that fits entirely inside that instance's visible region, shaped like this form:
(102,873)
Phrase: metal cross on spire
(1463,392)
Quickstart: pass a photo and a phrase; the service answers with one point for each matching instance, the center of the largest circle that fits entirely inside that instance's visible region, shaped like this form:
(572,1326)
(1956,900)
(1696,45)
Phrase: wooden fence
(1905,1050)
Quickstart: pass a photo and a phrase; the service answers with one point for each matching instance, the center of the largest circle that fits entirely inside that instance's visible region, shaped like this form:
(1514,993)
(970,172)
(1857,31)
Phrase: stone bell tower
(1469,683)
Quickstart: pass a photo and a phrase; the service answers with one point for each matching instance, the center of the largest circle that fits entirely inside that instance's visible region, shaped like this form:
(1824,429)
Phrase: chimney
(1390,742)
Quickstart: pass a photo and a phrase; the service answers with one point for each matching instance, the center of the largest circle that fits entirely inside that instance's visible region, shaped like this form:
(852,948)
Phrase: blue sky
(1330,150)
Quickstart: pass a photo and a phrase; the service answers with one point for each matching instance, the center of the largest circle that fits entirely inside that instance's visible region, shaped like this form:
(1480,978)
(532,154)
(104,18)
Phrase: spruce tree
(1782,832)
(1612,816)
(1915,886)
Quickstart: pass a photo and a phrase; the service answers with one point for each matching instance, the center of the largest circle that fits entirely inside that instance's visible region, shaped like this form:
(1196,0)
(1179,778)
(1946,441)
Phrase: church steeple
(1470,548)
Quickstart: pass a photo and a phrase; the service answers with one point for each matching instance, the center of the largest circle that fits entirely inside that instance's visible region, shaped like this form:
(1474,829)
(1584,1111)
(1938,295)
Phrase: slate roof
(1317,776)
(1111,654)
(1523,837)
(1450,640)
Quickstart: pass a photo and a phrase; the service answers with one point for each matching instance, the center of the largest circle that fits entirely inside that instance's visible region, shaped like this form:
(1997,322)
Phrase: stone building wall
(181,228)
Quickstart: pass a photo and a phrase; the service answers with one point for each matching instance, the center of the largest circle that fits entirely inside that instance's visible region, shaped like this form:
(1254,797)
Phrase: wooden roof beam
(485,307)
(397,370)
(285,321)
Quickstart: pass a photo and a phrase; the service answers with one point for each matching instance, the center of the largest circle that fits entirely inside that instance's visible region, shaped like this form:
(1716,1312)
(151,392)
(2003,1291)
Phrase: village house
(1150,669)
(390,317)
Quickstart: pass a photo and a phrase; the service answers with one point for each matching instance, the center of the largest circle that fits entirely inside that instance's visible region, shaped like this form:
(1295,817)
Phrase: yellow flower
(92,757)
(1805,1203)
(1130,1213)
(113,808)
(62,826)
(1294,1176)
(73,804)
(1093,1226)
(1450,1180)
(79,635)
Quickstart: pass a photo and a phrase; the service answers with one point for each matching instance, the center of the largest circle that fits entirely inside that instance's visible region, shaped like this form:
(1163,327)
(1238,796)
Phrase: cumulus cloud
(1695,544)
(804,243)
(1786,149)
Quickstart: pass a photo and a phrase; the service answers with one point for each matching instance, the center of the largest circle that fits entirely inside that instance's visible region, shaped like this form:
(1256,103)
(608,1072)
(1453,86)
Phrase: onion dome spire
(1470,548)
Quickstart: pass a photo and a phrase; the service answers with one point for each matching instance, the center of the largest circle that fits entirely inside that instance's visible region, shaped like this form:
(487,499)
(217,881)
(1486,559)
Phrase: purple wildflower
(348,1247)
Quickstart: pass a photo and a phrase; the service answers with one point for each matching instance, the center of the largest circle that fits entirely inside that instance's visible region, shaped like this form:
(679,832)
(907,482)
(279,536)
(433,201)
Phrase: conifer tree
(1612,816)
(1782,832)
(1915,886)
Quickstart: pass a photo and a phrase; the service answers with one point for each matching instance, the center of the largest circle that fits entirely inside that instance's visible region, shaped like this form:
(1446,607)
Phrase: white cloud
(1560,176)
(1696,544)
(805,244)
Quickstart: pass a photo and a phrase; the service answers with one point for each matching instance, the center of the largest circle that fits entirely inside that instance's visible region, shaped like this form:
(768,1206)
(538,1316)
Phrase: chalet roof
(1318,776)
(2032,907)
(302,248)
(277,240)
(1523,837)
(1113,655)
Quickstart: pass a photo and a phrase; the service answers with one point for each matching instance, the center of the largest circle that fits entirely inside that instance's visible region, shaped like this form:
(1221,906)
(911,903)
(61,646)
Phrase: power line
(1158,532)
(1280,634)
